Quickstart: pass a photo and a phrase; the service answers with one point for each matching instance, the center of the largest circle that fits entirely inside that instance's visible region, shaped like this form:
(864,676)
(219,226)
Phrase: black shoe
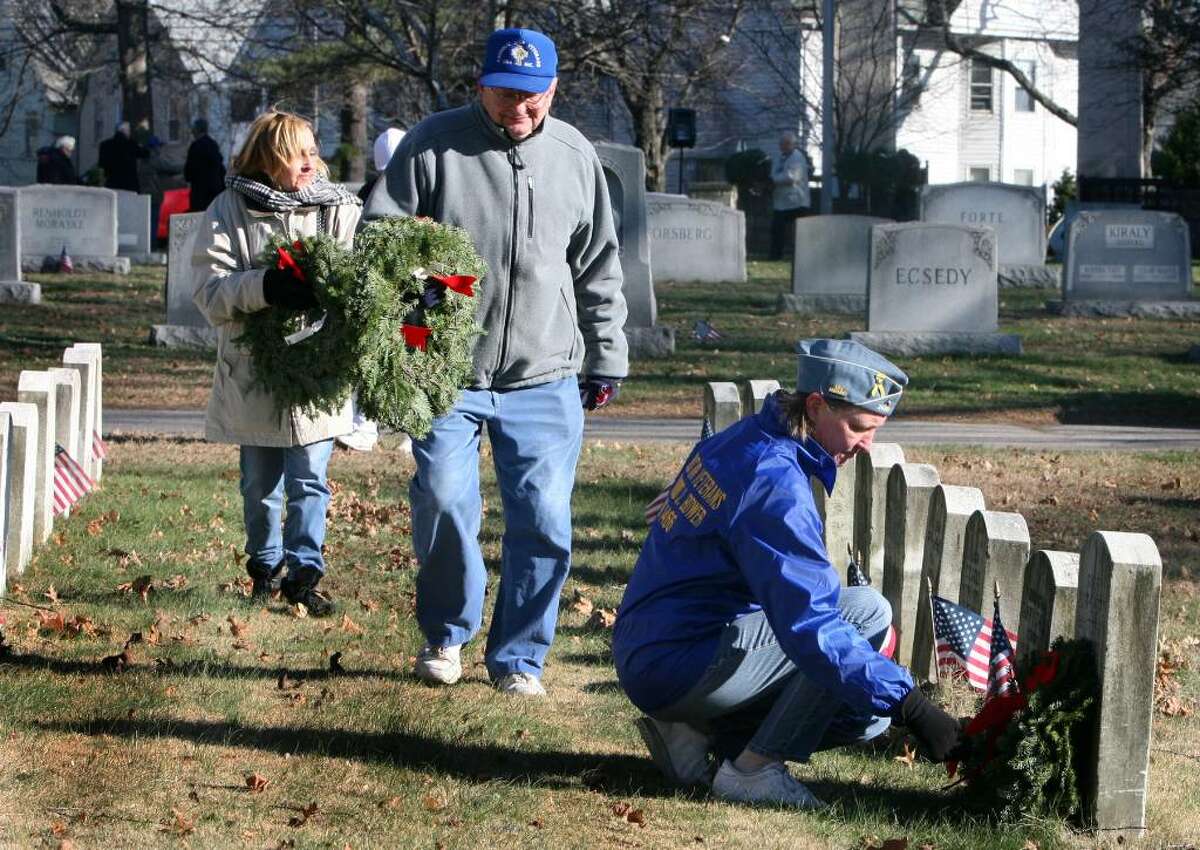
(300,588)
(266,579)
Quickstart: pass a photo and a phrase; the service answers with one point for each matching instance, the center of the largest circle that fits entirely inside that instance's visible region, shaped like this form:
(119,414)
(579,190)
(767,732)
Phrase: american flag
(855,577)
(71,483)
(1001,679)
(99,447)
(64,261)
(656,504)
(704,331)
(964,641)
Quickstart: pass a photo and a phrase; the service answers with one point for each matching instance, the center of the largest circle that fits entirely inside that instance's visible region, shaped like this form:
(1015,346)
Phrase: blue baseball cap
(849,371)
(519,59)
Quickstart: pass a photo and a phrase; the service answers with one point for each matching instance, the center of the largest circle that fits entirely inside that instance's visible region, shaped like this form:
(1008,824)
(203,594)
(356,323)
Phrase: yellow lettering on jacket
(693,510)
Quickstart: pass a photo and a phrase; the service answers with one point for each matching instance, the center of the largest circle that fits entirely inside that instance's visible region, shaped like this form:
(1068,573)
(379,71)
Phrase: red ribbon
(288,262)
(416,336)
(460,283)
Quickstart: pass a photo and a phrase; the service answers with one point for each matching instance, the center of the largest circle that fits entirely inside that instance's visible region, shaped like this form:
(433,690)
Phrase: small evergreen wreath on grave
(309,359)
(1025,753)
(397,323)
(415,317)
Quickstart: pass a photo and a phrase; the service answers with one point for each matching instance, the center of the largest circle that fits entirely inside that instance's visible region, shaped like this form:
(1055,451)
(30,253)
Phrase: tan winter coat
(226,285)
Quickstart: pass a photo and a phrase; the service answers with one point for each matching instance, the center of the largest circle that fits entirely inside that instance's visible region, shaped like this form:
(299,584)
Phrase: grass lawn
(1099,371)
(224,725)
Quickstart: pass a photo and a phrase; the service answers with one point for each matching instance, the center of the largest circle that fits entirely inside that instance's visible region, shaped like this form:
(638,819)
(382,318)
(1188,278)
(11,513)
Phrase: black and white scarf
(319,193)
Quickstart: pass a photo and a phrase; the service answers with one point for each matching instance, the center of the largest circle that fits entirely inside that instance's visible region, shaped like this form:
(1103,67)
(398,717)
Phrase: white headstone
(82,219)
(870,504)
(754,394)
(995,551)
(1049,600)
(85,363)
(133,224)
(95,351)
(693,240)
(722,404)
(831,264)
(909,489)
(1128,255)
(41,390)
(6,462)
(186,325)
(66,430)
(22,484)
(13,290)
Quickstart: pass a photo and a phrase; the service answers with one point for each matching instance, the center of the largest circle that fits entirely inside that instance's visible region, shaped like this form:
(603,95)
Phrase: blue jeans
(535,434)
(267,473)
(753,696)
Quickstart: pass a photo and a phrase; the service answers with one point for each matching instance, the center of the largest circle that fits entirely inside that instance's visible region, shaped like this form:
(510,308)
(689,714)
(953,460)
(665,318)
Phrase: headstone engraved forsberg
(933,290)
(1129,262)
(13,290)
(81,219)
(693,240)
(1017,215)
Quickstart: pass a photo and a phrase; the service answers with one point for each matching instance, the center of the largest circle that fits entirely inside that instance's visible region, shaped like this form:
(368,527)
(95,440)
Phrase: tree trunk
(133,67)
(354,130)
(649,132)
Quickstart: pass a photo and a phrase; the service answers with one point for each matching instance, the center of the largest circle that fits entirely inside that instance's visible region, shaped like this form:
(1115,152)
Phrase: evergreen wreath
(315,371)
(414,316)
(1025,754)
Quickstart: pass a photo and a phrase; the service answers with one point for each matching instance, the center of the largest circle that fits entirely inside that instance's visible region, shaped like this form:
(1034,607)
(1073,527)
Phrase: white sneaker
(439,665)
(521,684)
(679,750)
(769,784)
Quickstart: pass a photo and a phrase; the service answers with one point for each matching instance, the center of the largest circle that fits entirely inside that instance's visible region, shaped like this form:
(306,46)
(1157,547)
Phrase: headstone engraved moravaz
(1129,263)
(692,240)
(625,173)
(81,219)
(1017,214)
(13,290)
(933,290)
(133,229)
(830,264)
(186,326)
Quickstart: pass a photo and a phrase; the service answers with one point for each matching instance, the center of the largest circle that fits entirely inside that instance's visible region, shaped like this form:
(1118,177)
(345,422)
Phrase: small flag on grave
(704,331)
(64,262)
(99,447)
(71,483)
(964,642)
(1001,678)
(855,577)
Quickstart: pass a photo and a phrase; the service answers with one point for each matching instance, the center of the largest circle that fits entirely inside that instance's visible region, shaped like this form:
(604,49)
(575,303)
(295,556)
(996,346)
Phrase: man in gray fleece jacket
(530,191)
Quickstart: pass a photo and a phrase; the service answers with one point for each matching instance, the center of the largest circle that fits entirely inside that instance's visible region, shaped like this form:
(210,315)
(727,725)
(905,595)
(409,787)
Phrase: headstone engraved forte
(692,240)
(830,264)
(13,290)
(933,290)
(1129,262)
(625,173)
(81,219)
(186,326)
(1017,215)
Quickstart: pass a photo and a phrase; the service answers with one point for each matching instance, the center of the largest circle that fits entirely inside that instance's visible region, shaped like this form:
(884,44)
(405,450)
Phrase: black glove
(938,734)
(595,391)
(283,289)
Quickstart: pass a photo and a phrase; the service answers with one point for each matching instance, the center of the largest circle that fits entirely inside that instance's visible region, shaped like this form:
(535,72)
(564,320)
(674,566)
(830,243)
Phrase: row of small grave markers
(918,536)
(51,452)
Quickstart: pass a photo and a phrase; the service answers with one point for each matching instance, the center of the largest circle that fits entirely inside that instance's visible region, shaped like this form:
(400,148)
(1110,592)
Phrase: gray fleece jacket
(539,214)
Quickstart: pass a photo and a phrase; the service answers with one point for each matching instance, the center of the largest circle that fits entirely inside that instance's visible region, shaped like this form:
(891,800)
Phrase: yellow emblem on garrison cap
(880,388)
(839,390)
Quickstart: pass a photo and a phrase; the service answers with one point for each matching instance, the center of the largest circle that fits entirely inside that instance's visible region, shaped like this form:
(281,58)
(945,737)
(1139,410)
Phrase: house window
(981,86)
(910,83)
(1024,101)
(1023,176)
(243,104)
(979,173)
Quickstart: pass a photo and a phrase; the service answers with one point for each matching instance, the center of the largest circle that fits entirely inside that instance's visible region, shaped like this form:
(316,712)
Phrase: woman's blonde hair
(274,138)
(794,411)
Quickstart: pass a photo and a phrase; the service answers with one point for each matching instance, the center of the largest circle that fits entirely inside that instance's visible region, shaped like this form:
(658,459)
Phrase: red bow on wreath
(415,336)
(460,283)
(287,262)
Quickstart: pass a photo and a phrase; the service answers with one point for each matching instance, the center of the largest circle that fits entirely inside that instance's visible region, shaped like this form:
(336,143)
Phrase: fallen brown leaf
(602,618)
(350,626)
(435,801)
(305,813)
(51,594)
(909,759)
(256,782)
(581,604)
(236,627)
(115,663)
(179,825)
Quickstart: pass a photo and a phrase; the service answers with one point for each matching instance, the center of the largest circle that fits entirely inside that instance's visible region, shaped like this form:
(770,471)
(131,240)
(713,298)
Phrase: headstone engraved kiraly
(692,240)
(625,175)
(1017,215)
(81,219)
(1128,256)
(830,265)
(933,290)
(13,290)
(186,326)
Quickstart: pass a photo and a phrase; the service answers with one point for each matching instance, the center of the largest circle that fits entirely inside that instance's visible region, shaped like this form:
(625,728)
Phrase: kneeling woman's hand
(937,732)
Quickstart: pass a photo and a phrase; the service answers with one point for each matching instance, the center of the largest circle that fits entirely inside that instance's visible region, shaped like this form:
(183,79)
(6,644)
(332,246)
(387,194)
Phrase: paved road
(190,423)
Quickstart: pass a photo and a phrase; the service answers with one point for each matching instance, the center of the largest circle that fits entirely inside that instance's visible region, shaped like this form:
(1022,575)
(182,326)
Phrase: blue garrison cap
(849,371)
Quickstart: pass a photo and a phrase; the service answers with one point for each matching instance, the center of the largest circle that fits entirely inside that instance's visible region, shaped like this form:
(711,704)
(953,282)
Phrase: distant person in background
(789,173)
(54,163)
(204,170)
(118,158)
(366,433)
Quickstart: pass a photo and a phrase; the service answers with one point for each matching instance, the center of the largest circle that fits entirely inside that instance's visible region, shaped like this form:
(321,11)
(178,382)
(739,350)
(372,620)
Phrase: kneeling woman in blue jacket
(735,636)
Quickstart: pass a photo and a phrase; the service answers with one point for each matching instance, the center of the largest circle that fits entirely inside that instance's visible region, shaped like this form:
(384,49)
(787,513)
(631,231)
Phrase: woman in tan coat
(277,186)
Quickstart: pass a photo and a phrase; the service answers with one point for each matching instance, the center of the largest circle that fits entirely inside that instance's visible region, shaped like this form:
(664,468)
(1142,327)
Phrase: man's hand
(595,391)
(938,734)
(283,289)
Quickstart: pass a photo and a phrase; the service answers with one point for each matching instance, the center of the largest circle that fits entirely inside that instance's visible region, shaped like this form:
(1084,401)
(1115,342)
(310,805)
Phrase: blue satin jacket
(739,533)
